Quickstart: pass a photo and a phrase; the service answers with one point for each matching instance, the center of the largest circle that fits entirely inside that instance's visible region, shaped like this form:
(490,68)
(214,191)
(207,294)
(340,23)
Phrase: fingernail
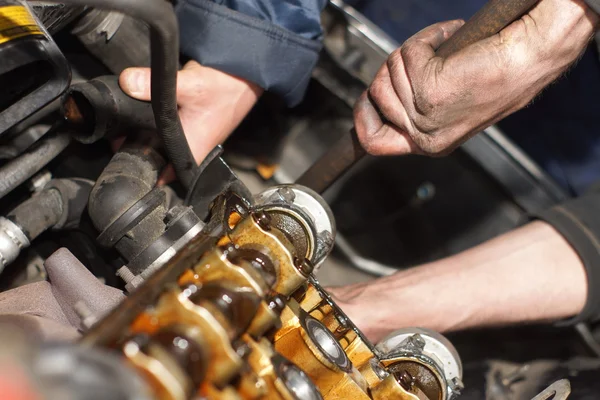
(135,83)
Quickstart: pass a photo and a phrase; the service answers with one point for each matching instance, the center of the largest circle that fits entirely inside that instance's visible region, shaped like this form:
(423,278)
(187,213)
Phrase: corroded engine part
(244,318)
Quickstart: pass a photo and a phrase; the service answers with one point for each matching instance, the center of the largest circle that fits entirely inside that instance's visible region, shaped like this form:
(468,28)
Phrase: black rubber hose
(124,205)
(99,108)
(130,175)
(38,214)
(17,171)
(164,49)
(59,205)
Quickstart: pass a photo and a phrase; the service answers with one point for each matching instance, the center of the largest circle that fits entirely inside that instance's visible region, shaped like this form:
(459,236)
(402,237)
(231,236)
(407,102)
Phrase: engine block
(238,314)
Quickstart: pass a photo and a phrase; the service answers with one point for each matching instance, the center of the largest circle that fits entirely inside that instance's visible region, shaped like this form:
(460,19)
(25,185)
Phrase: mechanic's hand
(211,103)
(423,104)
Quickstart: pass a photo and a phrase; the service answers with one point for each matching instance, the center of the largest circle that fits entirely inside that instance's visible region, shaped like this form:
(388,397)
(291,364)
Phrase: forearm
(531,274)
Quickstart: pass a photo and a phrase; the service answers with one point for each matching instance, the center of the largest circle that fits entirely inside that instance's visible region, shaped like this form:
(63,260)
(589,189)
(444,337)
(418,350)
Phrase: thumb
(136,83)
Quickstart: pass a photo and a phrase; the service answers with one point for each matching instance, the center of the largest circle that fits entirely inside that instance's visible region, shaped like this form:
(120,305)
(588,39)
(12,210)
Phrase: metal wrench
(491,19)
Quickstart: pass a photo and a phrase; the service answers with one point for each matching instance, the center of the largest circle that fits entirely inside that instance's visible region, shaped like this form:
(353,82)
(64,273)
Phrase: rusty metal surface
(334,163)
(491,19)
(416,378)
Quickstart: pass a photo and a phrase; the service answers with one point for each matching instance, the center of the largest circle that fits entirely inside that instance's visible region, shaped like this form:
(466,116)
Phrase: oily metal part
(414,376)
(213,323)
(334,163)
(294,231)
(109,329)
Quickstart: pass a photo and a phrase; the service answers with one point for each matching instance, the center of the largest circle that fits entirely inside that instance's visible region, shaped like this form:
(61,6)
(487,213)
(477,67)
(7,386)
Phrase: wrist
(384,305)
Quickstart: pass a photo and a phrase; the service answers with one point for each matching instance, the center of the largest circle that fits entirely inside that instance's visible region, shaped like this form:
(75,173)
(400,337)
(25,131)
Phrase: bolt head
(243,350)
(277,303)
(262,219)
(304,266)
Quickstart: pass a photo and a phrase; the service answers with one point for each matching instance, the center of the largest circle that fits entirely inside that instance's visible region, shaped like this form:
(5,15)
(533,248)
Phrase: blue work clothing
(273,43)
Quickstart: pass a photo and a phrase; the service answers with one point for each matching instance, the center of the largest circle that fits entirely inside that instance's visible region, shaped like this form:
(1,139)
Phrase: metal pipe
(333,164)
(21,169)
(494,16)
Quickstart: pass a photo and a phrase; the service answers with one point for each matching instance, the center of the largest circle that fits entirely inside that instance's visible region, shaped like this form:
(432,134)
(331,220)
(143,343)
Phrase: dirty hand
(211,103)
(422,104)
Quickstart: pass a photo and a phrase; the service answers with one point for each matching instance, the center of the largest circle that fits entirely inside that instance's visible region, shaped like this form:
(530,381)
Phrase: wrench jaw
(559,390)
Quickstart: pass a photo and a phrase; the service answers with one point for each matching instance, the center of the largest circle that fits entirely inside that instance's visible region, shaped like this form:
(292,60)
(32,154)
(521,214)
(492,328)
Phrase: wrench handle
(494,16)
(491,19)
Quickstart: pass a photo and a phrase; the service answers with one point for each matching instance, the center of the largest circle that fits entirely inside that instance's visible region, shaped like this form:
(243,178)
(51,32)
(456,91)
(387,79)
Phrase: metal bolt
(262,219)
(406,380)
(125,274)
(131,280)
(276,303)
(243,350)
(286,194)
(343,321)
(304,266)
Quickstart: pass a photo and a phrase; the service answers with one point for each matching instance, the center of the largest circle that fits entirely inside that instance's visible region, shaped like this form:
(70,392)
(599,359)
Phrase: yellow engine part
(246,320)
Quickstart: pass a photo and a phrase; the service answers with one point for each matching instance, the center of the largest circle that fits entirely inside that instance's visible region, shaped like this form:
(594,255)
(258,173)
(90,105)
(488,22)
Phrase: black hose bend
(164,42)
(124,205)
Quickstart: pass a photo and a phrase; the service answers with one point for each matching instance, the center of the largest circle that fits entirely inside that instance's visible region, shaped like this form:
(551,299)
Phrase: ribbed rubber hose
(164,60)
(38,214)
(17,171)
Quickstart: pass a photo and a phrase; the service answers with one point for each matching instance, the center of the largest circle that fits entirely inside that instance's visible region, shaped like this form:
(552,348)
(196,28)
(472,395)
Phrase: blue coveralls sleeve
(273,43)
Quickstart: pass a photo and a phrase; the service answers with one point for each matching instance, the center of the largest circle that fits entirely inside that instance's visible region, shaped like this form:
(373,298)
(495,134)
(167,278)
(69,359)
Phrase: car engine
(197,290)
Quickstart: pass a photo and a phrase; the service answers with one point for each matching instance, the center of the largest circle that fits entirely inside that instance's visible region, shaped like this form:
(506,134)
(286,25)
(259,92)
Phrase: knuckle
(428,98)
(378,91)
(395,59)
(408,51)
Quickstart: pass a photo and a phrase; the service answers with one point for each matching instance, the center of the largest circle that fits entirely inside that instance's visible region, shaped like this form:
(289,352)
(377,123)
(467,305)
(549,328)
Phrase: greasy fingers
(421,103)
(376,137)
(384,117)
